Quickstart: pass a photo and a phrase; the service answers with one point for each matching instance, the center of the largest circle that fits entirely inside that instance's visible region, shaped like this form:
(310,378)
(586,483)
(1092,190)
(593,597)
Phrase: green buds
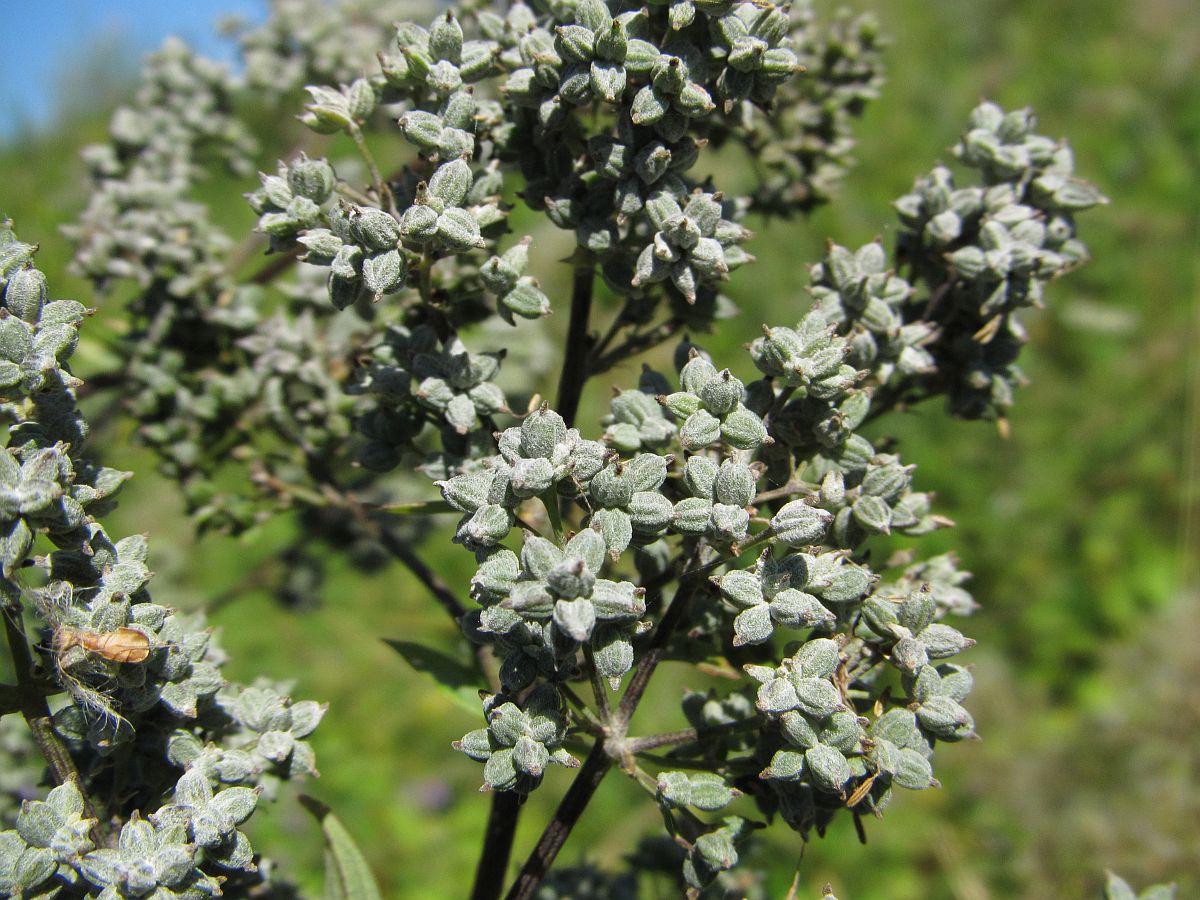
(25,294)
(519,742)
(799,524)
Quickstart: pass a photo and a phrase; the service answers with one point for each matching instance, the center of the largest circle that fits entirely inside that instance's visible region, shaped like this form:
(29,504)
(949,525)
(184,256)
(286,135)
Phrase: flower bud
(728,523)
(796,609)
(458,230)
(421,128)
(613,656)
(571,578)
(753,625)
(575,618)
(361,99)
(909,655)
(451,182)
(344,291)
(384,274)
(531,477)
(818,658)
(311,178)
(817,697)
(827,768)
(918,610)
(942,641)
(734,484)
(945,719)
(786,765)
(541,432)
(527,300)
(649,106)
(692,515)
(488,525)
(25,293)
(912,770)
(797,524)
(741,588)
(872,514)
(446,39)
(650,512)
(700,430)
(419,224)
(743,429)
(374,228)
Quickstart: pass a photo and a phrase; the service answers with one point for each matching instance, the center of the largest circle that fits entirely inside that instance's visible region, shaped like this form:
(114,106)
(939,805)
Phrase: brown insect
(125,645)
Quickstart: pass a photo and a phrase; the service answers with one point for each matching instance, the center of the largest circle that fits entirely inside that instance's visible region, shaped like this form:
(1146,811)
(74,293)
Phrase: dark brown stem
(280,263)
(599,761)
(595,767)
(656,648)
(433,582)
(685,736)
(10,699)
(779,493)
(575,370)
(637,343)
(506,807)
(614,328)
(491,872)
(654,741)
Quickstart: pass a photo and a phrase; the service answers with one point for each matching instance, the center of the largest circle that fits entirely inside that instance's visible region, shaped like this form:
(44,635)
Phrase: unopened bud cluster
(143,682)
(735,514)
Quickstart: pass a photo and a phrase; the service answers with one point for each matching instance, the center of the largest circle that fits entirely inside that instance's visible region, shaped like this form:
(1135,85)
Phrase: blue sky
(40,39)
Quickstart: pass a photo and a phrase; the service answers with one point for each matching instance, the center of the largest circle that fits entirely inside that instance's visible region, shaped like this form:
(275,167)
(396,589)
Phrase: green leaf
(347,876)
(459,682)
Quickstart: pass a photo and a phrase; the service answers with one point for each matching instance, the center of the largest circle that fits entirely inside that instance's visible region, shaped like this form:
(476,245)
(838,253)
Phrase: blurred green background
(1081,528)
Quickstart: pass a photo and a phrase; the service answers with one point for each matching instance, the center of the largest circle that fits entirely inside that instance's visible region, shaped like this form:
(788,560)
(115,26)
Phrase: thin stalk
(614,329)
(506,807)
(653,741)
(598,686)
(585,718)
(433,582)
(553,513)
(416,508)
(685,736)
(637,343)
(280,263)
(595,767)
(575,369)
(792,487)
(381,187)
(656,649)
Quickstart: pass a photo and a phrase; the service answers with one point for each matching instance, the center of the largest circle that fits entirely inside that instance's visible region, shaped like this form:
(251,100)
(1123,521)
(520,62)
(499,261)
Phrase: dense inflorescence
(149,719)
(737,515)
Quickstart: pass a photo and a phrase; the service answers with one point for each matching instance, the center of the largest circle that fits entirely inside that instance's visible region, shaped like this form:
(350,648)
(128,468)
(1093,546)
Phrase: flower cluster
(141,681)
(353,343)
(984,252)
(519,741)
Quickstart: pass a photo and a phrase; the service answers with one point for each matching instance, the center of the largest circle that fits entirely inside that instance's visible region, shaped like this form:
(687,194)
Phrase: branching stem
(574,802)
